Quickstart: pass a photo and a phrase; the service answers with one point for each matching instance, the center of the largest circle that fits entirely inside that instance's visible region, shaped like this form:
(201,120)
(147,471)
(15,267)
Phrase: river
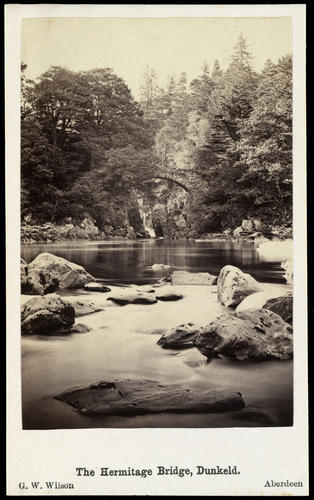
(122,343)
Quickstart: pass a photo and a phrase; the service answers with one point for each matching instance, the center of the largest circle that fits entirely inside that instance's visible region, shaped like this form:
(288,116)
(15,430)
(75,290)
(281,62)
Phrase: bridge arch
(171,179)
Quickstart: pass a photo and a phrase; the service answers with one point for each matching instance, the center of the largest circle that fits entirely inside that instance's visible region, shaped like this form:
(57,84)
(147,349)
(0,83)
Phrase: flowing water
(122,342)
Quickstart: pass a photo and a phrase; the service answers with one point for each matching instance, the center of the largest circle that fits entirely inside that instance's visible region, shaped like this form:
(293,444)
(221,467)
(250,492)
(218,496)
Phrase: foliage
(87,146)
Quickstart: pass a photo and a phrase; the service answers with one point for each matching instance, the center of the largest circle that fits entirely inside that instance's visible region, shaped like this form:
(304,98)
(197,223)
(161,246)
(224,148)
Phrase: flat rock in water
(250,335)
(168,293)
(135,397)
(83,307)
(43,314)
(233,286)
(186,278)
(133,298)
(96,287)
(180,337)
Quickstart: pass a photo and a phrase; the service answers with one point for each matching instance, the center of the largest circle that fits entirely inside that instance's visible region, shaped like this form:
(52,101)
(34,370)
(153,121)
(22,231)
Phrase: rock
(24,272)
(156,267)
(133,298)
(257,234)
(79,328)
(281,305)
(68,274)
(253,302)
(96,287)
(258,225)
(135,397)
(273,251)
(186,278)
(180,337)
(251,335)
(247,226)
(168,293)
(108,230)
(83,307)
(46,313)
(233,286)
(120,232)
(237,232)
(288,266)
(131,233)
(192,357)
(39,282)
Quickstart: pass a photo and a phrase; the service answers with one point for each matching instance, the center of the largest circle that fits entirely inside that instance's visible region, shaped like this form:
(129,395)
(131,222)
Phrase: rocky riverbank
(147,223)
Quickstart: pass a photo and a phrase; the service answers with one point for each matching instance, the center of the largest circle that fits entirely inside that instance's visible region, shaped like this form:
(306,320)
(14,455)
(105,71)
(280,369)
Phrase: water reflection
(131,261)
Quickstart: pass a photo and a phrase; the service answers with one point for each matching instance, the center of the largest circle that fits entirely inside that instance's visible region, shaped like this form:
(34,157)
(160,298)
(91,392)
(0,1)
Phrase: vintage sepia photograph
(156,250)
(156,222)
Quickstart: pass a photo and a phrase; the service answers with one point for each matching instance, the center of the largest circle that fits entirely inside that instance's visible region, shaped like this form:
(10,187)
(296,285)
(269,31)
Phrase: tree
(265,146)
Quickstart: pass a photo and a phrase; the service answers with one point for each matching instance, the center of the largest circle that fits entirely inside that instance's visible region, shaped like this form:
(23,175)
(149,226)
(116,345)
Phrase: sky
(169,45)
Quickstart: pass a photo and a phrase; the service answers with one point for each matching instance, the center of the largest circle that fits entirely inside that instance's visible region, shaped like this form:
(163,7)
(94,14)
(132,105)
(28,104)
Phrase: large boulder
(38,282)
(68,274)
(44,314)
(233,286)
(186,278)
(281,305)
(251,335)
(135,397)
(180,337)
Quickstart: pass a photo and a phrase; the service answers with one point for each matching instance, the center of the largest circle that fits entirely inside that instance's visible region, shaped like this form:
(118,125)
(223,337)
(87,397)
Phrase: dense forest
(207,154)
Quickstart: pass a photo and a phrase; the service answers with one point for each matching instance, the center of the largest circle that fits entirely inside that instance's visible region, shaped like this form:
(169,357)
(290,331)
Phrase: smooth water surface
(131,261)
(122,340)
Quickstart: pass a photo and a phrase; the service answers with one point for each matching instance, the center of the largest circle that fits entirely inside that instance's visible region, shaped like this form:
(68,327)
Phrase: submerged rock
(192,357)
(134,397)
(79,328)
(233,286)
(186,278)
(96,287)
(83,307)
(168,293)
(180,337)
(251,335)
(68,274)
(133,298)
(281,305)
(46,313)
